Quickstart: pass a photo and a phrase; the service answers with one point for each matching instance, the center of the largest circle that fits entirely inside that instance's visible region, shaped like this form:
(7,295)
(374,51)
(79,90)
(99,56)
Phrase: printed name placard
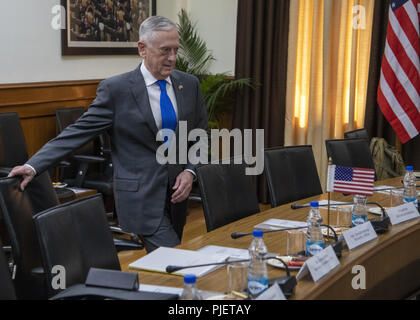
(320,264)
(402,213)
(273,293)
(359,235)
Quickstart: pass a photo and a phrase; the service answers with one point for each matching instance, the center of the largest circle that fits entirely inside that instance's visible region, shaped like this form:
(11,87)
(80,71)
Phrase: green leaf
(195,58)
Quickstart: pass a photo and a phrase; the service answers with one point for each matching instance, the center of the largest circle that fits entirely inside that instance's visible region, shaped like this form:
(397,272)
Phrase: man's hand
(182,187)
(26,172)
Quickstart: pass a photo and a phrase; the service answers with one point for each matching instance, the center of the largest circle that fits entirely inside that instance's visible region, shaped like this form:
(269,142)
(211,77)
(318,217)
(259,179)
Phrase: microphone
(298,206)
(380,225)
(337,245)
(287,283)
(173,268)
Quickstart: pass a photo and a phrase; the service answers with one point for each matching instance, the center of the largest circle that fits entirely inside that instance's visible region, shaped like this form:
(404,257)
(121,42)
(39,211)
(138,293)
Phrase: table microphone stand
(337,245)
(287,283)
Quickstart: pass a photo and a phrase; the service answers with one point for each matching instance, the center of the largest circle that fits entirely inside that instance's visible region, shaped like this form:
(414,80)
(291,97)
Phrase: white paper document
(273,224)
(332,203)
(160,289)
(159,259)
(387,189)
(403,213)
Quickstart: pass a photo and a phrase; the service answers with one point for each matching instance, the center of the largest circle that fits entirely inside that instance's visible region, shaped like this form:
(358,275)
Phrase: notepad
(159,259)
(233,253)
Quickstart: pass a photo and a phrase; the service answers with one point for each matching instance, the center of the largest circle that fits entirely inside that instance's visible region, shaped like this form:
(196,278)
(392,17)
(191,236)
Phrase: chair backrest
(7,289)
(66,117)
(350,153)
(16,208)
(13,150)
(227,194)
(291,174)
(76,235)
(357,134)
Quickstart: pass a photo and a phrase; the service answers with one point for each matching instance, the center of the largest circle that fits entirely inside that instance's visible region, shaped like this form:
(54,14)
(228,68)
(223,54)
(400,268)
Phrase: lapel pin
(180,87)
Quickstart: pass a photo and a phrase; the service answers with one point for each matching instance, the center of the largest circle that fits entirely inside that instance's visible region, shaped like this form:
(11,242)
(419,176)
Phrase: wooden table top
(383,258)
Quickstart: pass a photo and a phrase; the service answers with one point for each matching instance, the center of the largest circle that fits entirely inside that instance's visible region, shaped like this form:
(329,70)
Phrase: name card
(320,264)
(359,235)
(402,213)
(273,293)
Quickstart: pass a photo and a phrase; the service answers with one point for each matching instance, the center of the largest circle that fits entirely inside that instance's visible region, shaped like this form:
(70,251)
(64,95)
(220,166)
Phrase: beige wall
(30,49)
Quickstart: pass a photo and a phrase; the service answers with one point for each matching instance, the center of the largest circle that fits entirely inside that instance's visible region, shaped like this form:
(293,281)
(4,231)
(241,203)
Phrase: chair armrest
(123,244)
(88,159)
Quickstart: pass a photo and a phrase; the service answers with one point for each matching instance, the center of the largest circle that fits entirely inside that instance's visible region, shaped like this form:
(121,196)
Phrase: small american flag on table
(350,180)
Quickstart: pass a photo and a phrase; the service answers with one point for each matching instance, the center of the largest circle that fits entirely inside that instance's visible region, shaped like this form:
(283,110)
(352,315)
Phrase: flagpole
(329,199)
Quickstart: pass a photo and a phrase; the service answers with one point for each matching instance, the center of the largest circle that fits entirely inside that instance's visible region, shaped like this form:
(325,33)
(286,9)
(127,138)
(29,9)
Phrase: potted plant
(195,58)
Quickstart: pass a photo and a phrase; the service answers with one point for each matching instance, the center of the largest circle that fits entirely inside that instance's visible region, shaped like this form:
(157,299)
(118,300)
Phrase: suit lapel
(138,89)
(179,95)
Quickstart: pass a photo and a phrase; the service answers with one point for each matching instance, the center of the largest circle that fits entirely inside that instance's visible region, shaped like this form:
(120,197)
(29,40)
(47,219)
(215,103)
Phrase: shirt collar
(149,79)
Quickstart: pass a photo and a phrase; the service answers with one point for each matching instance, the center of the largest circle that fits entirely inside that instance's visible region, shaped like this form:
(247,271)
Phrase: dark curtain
(261,54)
(375,122)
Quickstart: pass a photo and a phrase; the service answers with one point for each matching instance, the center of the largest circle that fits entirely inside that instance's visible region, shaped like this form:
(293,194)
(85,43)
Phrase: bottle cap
(409,168)
(189,279)
(258,233)
(314,204)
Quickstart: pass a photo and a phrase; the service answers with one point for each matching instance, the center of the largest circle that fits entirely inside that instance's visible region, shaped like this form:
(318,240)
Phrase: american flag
(350,180)
(399,85)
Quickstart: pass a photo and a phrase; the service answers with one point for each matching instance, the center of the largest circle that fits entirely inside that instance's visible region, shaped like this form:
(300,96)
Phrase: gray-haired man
(150,198)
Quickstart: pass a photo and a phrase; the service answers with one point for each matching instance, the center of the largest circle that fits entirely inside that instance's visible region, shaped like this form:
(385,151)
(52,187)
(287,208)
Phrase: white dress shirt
(153,91)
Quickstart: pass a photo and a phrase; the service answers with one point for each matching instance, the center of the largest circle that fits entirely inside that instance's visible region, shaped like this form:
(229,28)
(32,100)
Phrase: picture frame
(103,27)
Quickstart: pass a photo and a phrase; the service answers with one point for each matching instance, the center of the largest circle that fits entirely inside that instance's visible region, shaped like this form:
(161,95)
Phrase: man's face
(159,55)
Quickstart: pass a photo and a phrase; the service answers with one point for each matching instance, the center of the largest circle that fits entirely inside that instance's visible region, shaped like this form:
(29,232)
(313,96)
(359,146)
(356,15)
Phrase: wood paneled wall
(36,103)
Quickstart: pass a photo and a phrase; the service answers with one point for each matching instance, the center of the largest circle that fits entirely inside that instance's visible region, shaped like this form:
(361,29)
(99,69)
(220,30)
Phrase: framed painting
(95,27)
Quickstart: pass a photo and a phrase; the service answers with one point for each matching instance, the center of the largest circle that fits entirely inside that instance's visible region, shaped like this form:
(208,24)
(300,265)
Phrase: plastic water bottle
(410,192)
(314,237)
(257,269)
(359,211)
(190,291)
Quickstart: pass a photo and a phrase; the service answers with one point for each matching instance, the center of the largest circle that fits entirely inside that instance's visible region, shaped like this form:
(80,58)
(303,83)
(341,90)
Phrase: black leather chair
(16,209)
(350,153)
(75,235)
(291,174)
(81,159)
(80,291)
(227,194)
(357,134)
(7,289)
(13,151)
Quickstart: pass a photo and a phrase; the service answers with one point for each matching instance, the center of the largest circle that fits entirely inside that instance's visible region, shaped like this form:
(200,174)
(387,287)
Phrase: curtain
(261,54)
(375,122)
(327,72)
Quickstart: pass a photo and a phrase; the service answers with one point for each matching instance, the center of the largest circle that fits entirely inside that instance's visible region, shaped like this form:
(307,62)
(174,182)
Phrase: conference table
(391,261)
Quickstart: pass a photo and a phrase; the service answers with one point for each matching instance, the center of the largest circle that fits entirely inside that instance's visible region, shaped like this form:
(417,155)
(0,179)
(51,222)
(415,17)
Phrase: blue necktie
(167,109)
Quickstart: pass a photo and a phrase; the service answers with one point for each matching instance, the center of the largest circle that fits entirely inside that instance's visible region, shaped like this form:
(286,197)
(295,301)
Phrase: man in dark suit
(150,198)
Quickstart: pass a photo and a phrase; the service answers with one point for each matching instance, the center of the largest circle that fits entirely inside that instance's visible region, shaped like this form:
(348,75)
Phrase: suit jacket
(122,108)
